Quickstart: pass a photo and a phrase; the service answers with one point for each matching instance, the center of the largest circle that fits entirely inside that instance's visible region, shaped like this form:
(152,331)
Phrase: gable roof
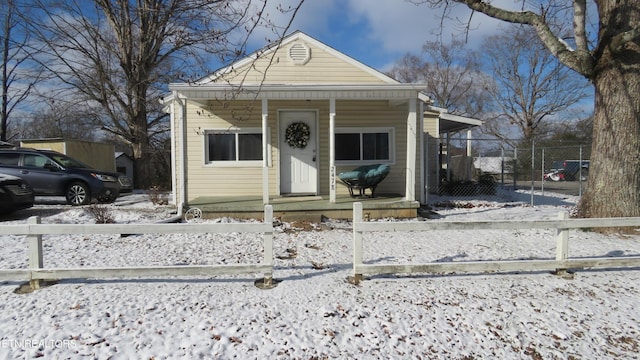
(290,40)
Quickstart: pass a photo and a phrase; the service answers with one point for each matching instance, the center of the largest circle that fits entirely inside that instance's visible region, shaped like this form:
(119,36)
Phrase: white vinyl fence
(37,272)
(560,264)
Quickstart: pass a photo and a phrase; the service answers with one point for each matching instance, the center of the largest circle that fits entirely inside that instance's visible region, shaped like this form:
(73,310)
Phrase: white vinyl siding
(320,67)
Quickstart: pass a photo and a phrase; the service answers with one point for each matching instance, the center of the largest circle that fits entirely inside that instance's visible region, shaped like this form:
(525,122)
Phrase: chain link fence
(484,168)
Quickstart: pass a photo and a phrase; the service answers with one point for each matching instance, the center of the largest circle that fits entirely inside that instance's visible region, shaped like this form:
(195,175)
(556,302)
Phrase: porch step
(291,199)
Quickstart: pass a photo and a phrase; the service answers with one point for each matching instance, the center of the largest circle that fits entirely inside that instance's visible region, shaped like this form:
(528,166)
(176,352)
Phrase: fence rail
(36,272)
(560,264)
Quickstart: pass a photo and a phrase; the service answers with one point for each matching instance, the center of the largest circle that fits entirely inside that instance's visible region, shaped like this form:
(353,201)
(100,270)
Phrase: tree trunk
(614,172)
(140,143)
(141,165)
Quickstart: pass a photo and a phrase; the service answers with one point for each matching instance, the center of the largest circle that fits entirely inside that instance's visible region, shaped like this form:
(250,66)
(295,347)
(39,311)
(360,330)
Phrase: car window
(69,162)
(9,159)
(32,160)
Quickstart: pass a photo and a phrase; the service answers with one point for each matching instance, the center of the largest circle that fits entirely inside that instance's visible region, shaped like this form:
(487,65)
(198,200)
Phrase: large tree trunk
(613,188)
(140,142)
(614,171)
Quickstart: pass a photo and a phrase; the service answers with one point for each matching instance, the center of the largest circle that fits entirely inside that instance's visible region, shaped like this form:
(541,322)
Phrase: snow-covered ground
(314,313)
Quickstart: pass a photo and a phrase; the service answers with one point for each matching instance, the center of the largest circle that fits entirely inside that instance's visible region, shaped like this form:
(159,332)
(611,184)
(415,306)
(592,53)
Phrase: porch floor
(309,208)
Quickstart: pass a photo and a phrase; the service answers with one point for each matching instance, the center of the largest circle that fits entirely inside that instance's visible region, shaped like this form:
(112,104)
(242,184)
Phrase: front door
(298,153)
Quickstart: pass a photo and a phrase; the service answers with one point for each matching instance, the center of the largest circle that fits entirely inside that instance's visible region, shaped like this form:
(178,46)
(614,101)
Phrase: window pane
(9,159)
(222,147)
(375,146)
(34,160)
(347,146)
(250,146)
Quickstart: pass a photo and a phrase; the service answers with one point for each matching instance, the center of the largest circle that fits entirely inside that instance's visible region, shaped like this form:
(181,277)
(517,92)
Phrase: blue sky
(377,32)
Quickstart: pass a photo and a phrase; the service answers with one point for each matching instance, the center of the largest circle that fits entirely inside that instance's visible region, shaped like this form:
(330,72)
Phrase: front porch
(306,208)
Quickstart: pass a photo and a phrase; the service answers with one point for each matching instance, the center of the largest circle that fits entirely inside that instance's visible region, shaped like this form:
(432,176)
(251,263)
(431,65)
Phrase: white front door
(298,152)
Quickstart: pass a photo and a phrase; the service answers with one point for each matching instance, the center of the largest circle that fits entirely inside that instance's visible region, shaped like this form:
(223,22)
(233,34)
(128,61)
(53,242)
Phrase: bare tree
(119,55)
(452,74)
(18,76)
(531,90)
(609,57)
(59,120)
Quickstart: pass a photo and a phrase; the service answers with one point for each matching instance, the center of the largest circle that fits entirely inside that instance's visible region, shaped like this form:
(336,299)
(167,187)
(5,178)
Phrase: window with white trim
(234,147)
(364,145)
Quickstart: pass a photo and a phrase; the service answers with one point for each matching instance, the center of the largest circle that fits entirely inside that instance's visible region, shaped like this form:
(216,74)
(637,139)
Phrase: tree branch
(581,62)
(620,41)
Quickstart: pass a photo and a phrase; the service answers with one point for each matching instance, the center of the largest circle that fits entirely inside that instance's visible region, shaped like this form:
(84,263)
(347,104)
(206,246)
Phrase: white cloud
(386,29)
(402,26)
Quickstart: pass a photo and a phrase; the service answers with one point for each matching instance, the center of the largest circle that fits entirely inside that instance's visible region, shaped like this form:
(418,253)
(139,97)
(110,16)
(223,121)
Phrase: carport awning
(454,123)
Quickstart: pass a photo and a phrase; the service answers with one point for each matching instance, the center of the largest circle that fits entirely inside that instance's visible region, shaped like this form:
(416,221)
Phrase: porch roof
(453,123)
(299,91)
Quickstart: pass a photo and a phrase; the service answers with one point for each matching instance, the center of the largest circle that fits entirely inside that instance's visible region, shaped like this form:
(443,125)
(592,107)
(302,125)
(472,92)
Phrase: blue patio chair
(364,177)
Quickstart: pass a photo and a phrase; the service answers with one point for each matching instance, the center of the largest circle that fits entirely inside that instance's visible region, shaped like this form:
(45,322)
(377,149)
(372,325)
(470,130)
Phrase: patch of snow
(314,311)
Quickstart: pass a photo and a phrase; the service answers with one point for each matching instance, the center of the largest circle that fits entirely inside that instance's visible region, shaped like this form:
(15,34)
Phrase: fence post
(533,167)
(268,246)
(357,242)
(35,253)
(562,247)
(580,173)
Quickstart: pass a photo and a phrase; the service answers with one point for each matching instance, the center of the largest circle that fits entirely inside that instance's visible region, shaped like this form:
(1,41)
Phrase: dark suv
(53,174)
(571,170)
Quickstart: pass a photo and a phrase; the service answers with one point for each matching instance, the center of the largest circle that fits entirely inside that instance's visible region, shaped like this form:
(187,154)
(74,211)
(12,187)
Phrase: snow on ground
(314,313)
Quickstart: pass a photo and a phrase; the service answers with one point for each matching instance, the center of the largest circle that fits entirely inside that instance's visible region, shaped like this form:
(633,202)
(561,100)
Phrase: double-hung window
(234,147)
(364,145)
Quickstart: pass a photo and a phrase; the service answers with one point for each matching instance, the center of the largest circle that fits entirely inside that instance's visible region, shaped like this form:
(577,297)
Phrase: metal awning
(454,123)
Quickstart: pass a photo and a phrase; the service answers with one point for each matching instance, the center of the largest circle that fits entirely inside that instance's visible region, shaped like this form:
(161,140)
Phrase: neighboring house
(124,164)
(288,119)
(97,155)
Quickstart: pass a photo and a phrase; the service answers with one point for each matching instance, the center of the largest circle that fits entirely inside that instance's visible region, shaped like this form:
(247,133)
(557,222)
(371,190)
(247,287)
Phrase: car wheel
(78,194)
(554,177)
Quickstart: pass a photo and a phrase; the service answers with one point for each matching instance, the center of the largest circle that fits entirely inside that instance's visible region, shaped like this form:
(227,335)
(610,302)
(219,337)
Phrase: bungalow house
(278,126)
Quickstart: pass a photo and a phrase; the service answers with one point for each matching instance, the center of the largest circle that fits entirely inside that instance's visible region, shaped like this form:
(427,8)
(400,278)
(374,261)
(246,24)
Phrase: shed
(99,156)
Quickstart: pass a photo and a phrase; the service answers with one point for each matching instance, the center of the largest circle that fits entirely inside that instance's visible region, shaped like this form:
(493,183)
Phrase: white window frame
(368,130)
(234,163)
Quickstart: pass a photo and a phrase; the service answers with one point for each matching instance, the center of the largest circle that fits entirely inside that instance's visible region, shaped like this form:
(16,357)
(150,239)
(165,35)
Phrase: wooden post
(268,246)
(562,247)
(35,253)
(357,242)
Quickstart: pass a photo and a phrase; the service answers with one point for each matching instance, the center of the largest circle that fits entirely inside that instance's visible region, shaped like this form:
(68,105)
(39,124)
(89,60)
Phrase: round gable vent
(299,53)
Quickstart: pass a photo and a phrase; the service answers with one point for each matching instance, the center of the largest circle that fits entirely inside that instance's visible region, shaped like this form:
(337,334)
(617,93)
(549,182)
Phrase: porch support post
(265,151)
(411,150)
(182,180)
(174,150)
(332,150)
(423,154)
(469,156)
